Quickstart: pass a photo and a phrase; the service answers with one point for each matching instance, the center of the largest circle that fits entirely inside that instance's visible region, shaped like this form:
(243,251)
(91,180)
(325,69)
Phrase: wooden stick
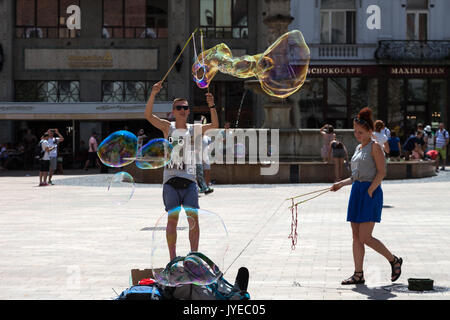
(323,192)
(306,194)
(203,50)
(173,64)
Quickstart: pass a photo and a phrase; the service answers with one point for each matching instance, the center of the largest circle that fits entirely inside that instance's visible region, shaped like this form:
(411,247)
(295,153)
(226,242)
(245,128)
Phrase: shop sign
(417,71)
(91,59)
(342,70)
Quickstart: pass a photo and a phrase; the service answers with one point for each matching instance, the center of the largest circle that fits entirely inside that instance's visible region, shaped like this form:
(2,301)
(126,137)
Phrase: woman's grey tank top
(363,164)
(177,166)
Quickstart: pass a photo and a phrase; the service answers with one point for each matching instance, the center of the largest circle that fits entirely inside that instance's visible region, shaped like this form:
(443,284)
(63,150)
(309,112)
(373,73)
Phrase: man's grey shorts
(53,163)
(176,197)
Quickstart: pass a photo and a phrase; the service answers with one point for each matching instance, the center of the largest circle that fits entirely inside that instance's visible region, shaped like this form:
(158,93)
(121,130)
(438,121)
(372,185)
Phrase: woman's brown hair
(379,125)
(365,118)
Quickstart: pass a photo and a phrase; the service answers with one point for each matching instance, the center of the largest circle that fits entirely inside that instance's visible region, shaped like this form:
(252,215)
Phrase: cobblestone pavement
(73,241)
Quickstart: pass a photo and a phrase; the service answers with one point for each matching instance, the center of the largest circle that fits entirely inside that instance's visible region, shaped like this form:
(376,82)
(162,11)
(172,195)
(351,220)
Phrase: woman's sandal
(396,270)
(356,278)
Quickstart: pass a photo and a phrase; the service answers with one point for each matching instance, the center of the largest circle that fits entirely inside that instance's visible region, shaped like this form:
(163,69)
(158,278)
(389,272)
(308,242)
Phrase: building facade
(400,68)
(98,77)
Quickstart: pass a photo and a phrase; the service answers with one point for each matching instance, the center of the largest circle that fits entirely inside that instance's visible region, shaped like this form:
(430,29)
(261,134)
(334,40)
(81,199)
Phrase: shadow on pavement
(373,293)
(402,288)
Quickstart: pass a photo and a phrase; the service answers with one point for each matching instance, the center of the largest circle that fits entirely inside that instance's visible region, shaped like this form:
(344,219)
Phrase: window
(224,18)
(437,112)
(337,22)
(135,19)
(130,91)
(364,93)
(44,19)
(311,104)
(47,91)
(417,20)
(416,25)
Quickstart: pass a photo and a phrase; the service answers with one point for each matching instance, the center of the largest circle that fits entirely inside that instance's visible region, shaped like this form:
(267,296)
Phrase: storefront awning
(79,111)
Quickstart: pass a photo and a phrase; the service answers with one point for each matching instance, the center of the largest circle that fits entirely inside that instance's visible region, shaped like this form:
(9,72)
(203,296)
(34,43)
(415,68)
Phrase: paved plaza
(70,241)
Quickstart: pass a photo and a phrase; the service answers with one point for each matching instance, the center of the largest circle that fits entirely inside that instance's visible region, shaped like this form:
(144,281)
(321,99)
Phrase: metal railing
(413,50)
(234,32)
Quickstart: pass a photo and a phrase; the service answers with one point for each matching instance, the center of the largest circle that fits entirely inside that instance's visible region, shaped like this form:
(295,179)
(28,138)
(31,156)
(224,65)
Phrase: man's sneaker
(443,168)
(51,182)
(209,190)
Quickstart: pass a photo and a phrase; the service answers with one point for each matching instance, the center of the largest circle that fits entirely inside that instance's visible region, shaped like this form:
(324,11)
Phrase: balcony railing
(342,51)
(413,50)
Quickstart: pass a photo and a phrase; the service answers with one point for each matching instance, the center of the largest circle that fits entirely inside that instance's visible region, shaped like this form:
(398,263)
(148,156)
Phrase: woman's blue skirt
(363,208)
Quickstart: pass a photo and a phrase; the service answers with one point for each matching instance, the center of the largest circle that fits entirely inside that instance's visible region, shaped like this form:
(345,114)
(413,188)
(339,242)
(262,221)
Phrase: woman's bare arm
(378,156)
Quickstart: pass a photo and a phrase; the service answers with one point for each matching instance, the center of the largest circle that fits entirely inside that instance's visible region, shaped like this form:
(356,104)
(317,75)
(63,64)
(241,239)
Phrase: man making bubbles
(179,179)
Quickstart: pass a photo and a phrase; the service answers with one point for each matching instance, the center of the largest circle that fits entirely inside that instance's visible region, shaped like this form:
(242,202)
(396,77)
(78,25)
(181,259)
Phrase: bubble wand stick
(306,194)
(173,64)
(203,50)
(294,213)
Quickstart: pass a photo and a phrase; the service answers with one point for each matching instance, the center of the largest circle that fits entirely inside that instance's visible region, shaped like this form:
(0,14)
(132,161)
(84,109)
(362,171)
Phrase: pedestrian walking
(92,152)
(337,154)
(328,135)
(380,136)
(44,160)
(441,140)
(366,198)
(53,143)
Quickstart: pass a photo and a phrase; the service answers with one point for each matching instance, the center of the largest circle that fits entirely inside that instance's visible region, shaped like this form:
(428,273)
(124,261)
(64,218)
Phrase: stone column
(178,35)
(6,41)
(6,72)
(277,112)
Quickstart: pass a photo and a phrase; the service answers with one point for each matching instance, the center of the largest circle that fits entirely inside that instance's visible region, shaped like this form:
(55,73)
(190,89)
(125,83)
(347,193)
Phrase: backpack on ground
(140,292)
(199,266)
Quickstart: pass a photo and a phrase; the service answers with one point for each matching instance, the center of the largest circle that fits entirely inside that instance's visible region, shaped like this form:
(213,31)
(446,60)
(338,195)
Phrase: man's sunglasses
(182,107)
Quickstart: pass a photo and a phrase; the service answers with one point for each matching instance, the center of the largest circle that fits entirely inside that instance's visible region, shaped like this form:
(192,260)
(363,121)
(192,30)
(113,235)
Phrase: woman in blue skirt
(366,198)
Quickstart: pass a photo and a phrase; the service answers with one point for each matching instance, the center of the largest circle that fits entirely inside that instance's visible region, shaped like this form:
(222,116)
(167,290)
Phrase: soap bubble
(121,188)
(155,154)
(118,149)
(281,69)
(201,267)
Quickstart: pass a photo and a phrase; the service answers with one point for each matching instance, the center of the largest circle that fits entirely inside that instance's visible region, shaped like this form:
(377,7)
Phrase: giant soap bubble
(281,69)
(118,149)
(121,188)
(155,154)
(200,266)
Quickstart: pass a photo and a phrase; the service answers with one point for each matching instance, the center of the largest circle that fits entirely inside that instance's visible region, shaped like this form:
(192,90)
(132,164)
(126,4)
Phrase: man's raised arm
(157,122)
(214,118)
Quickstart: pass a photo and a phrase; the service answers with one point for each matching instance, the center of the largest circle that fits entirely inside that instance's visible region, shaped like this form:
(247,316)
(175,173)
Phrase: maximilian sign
(419,71)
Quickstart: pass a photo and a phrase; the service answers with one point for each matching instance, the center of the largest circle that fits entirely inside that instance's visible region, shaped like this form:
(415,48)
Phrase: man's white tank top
(177,166)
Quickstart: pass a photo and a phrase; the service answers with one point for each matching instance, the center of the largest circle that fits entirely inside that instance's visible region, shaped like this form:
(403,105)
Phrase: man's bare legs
(194,228)
(171,230)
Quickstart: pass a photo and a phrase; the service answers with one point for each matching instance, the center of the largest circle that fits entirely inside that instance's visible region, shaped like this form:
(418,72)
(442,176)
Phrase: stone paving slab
(72,241)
